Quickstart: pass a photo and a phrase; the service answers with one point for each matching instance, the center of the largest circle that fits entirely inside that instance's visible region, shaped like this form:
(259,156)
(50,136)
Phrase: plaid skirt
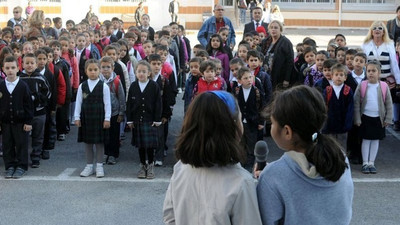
(144,135)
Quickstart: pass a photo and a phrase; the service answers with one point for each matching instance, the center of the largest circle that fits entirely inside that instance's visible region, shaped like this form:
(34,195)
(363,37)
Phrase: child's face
(145,21)
(339,77)
(143,36)
(11,70)
(262,35)
(88,39)
(142,73)
(194,68)
(349,61)
(243,53)
(69,26)
(106,69)
(327,73)
(92,71)
(253,62)
(50,57)
(113,54)
(147,48)
(215,43)
(256,40)
(115,24)
(64,46)
(155,67)
(79,28)
(131,41)
(234,68)
(17,31)
(249,40)
(58,25)
(17,14)
(331,51)
(299,50)
(224,35)
(42,43)
(7,38)
(73,34)
(209,74)
(47,23)
(93,21)
(57,52)
(219,69)
(372,74)
(17,52)
(103,31)
(309,57)
(195,50)
(28,48)
(72,43)
(174,30)
(358,63)
(319,61)
(81,42)
(96,38)
(341,57)
(110,30)
(122,51)
(156,37)
(41,61)
(246,80)
(163,55)
(29,64)
(35,44)
(340,41)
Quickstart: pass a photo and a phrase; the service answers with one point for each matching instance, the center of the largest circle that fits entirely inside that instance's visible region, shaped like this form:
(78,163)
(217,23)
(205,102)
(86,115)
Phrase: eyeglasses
(219,9)
(377,28)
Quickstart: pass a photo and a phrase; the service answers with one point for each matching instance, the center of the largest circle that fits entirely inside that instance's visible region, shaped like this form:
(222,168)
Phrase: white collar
(42,71)
(15,82)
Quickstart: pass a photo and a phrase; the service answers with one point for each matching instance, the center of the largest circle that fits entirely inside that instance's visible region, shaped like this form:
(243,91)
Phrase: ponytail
(327,157)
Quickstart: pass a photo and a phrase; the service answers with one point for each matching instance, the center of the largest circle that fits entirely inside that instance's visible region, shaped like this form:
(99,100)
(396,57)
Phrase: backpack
(116,82)
(363,89)
(329,91)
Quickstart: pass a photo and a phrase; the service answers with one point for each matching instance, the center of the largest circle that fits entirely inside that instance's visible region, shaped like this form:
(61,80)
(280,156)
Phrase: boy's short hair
(163,32)
(154,57)
(340,35)
(40,51)
(308,50)
(146,15)
(29,55)
(16,45)
(196,59)
(55,43)
(216,61)
(130,35)
(10,59)
(107,59)
(161,48)
(19,25)
(144,31)
(70,21)
(32,38)
(340,49)
(63,39)
(242,71)
(245,44)
(73,29)
(56,19)
(202,53)
(148,41)
(64,32)
(329,63)
(362,55)
(248,34)
(351,52)
(253,53)
(323,52)
(199,46)
(7,30)
(114,19)
(27,43)
(80,35)
(309,41)
(206,64)
(110,47)
(338,67)
(237,61)
(47,49)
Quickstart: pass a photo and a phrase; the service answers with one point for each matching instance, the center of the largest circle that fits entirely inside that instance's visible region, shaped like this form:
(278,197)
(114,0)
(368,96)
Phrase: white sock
(89,165)
(98,165)
(365,146)
(373,150)
(371,163)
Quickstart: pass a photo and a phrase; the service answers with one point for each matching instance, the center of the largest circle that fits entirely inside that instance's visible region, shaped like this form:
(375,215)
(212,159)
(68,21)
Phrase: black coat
(249,27)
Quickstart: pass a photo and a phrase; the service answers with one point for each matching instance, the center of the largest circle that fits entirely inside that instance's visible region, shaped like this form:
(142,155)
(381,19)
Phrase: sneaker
(35,164)
(111,160)
(122,137)
(99,171)
(19,172)
(142,172)
(158,163)
(45,155)
(179,90)
(372,169)
(365,169)
(150,171)
(9,173)
(87,171)
(61,137)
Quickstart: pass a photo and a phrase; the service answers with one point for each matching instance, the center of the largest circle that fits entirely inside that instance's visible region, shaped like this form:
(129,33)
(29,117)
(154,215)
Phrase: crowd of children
(105,80)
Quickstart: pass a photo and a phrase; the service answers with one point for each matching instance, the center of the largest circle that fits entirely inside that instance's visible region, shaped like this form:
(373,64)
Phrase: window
(227,2)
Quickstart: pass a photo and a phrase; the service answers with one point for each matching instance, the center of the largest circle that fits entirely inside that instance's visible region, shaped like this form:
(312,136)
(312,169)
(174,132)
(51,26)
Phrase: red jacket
(73,62)
(61,86)
(203,85)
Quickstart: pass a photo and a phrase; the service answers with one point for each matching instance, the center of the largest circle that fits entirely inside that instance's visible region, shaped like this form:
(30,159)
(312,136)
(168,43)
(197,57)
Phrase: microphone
(261,153)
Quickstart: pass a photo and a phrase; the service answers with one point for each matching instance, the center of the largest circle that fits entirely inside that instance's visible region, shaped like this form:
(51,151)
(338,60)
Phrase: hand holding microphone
(261,153)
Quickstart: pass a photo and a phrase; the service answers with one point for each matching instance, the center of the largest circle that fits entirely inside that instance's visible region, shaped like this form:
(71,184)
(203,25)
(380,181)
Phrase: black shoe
(35,164)
(19,172)
(9,173)
(45,155)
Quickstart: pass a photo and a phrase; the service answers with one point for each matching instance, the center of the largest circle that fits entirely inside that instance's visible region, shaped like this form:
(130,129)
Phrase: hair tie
(227,99)
(314,136)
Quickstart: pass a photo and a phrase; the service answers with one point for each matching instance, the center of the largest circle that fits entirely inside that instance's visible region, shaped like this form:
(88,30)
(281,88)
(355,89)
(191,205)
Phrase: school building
(315,13)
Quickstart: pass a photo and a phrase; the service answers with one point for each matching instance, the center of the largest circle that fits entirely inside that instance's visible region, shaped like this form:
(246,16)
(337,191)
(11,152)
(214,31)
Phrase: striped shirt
(381,54)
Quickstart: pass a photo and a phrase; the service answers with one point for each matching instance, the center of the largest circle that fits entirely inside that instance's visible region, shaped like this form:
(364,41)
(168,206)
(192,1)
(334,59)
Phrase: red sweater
(61,86)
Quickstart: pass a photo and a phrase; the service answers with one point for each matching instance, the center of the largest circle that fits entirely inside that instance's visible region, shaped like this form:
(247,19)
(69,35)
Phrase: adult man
(393,26)
(17,19)
(252,26)
(213,24)
(174,10)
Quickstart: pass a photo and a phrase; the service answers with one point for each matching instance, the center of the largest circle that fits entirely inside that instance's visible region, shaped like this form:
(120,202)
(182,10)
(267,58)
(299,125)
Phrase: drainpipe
(340,13)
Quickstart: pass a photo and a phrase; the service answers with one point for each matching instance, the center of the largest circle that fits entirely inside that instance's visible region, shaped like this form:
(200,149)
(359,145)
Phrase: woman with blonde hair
(377,45)
(276,14)
(36,21)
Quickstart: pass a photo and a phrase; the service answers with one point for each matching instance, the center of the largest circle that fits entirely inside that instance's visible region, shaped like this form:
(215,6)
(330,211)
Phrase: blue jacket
(209,28)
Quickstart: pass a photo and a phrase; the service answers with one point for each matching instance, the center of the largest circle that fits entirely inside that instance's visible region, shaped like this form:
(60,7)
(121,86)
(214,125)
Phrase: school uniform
(265,79)
(82,55)
(142,109)
(151,31)
(16,109)
(50,131)
(189,86)
(62,113)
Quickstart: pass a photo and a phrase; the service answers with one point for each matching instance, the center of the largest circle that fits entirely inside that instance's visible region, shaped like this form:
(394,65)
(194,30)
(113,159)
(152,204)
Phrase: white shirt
(78,54)
(337,89)
(11,85)
(42,71)
(372,106)
(106,99)
(142,85)
(156,77)
(358,78)
(255,24)
(246,93)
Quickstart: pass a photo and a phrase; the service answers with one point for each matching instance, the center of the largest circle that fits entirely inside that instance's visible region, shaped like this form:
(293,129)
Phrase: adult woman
(278,51)
(377,45)
(36,21)
(276,14)
(208,185)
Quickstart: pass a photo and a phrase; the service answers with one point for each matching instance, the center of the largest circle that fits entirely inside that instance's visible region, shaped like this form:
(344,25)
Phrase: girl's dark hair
(209,136)
(92,61)
(199,46)
(340,49)
(202,53)
(221,45)
(207,64)
(5,50)
(289,108)
(309,49)
(70,21)
(329,63)
(196,59)
(57,19)
(323,52)
(236,61)
(126,57)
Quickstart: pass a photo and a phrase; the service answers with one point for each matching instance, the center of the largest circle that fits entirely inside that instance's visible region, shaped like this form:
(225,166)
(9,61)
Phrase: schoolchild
(322,83)
(172,58)
(6,36)
(215,48)
(203,54)
(15,124)
(340,40)
(194,76)
(168,101)
(218,72)
(90,46)
(235,64)
(92,117)
(167,70)
(331,49)
(309,58)
(82,54)
(18,34)
(41,94)
(144,108)
(131,38)
(350,53)
(208,81)
(340,53)
(96,41)
(372,112)
(315,72)
(339,100)
(148,48)
(243,48)
(251,102)
(224,32)
(118,107)
(254,61)
(126,59)
(120,69)
(197,48)
(145,25)
(313,174)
